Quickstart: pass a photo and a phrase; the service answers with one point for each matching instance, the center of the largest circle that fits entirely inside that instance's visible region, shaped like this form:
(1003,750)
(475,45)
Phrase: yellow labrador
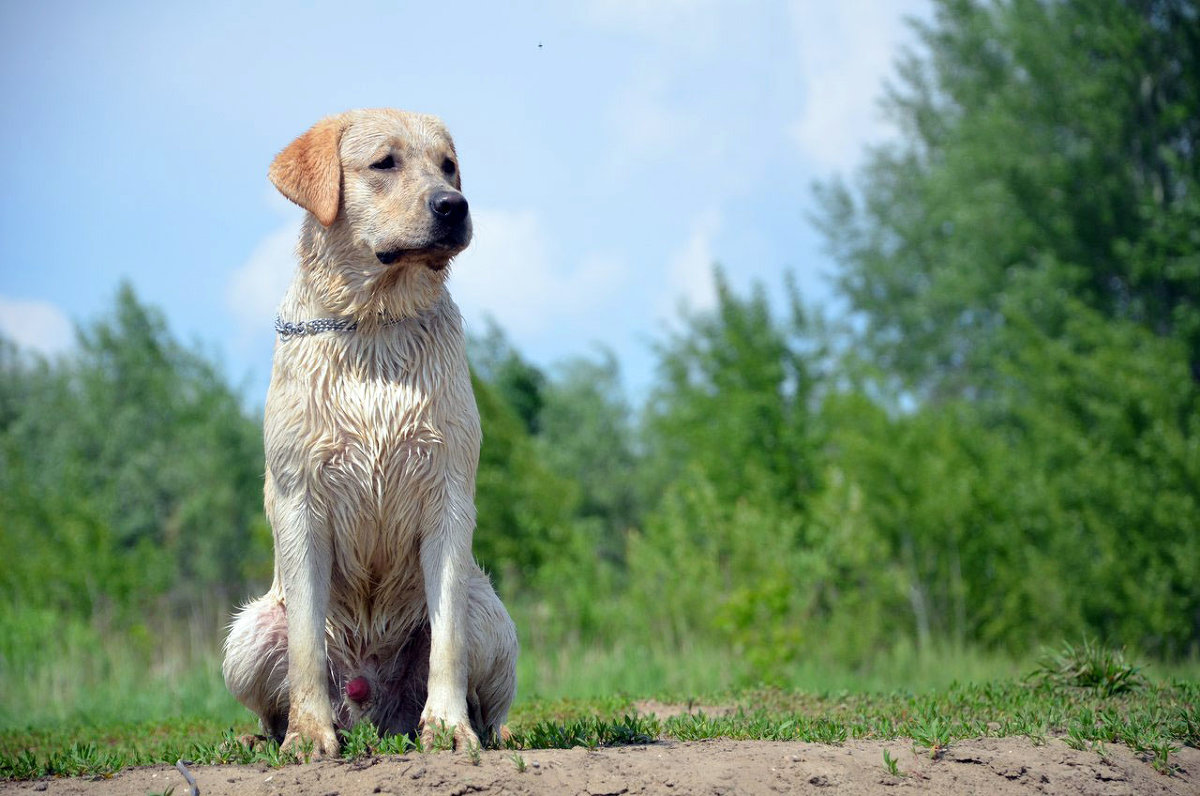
(377,608)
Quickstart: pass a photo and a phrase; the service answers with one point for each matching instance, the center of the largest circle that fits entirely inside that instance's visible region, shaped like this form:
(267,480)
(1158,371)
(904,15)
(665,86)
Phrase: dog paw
(437,734)
(253,741)
(311,744)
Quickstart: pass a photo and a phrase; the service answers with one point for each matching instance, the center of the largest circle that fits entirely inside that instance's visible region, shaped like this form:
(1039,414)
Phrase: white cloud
(256,287)
(510,273)
(845,50)
(36,325)
(690,269)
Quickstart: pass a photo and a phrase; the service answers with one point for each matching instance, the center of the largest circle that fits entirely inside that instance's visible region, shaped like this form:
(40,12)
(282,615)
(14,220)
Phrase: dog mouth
(447,235)
(389,257)
(433,258)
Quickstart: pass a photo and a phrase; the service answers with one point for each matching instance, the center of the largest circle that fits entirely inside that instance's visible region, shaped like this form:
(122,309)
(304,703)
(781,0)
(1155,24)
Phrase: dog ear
(309,171)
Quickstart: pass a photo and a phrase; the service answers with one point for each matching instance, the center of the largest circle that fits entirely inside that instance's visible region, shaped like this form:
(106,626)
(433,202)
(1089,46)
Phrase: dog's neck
(338,278)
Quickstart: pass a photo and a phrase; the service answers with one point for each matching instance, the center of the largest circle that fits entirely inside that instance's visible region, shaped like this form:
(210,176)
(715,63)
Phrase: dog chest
(370,445)
(381,450)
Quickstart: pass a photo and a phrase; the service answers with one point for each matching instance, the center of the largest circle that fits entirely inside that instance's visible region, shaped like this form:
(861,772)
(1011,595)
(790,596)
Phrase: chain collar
(287,330)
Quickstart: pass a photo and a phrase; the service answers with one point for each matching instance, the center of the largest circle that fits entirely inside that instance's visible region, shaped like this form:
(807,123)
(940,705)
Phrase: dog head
(384,188)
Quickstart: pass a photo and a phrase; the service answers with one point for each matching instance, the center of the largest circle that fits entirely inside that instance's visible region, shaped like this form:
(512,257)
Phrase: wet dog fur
(377,608)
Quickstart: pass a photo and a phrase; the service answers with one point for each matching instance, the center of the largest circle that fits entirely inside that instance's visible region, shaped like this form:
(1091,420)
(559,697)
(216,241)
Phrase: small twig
(191,781)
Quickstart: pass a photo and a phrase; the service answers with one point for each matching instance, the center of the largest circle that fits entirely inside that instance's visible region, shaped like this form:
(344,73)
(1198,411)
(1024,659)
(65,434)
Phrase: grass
(892,765)
(1089,665)
(1078,695)
(1155,721)
(590,671)
(66,674)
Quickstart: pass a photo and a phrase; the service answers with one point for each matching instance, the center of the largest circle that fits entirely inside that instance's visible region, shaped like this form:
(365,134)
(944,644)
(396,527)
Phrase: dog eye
(448,167)
(383,165)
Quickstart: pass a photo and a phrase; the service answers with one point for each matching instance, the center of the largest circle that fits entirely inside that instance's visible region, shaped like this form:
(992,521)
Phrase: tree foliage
(733,401)
(129,472)
(1044,144)
(1025,259)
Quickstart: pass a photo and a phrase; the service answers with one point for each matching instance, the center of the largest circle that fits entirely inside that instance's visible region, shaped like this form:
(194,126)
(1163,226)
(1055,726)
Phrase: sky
(611,150)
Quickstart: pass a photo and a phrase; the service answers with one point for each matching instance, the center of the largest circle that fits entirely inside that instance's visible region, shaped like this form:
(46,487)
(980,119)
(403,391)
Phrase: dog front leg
(305,560)
(446,566)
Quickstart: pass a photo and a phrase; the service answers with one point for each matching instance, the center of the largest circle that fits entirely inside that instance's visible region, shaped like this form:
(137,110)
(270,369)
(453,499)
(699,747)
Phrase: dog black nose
(449,206)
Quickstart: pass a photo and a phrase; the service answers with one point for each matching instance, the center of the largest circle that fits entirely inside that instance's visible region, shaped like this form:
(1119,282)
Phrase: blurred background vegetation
(994,445)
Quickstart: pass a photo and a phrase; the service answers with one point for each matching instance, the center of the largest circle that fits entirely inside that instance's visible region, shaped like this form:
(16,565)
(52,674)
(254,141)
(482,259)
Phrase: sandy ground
(985,766)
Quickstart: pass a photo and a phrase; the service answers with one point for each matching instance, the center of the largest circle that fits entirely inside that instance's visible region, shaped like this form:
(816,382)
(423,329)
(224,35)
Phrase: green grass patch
(1155,720)
(60,671)
(93,722)
(574,670)
(1089,665)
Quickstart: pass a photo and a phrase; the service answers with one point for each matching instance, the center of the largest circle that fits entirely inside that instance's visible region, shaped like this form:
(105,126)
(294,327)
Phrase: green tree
(1108,434)
(1037,136)
(731,550)
(587,436)
(518,383)
(131,473)
(524,508)
(733,401)
(1025,261)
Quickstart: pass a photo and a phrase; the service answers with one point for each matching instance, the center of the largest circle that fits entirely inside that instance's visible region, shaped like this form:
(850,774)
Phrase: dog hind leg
(492,660)
(256,662)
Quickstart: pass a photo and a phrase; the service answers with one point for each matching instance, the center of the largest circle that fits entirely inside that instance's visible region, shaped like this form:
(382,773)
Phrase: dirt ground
(985,766)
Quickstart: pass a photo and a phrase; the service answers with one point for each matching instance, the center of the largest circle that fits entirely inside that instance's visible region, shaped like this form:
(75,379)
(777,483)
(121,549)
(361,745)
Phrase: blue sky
(612,150)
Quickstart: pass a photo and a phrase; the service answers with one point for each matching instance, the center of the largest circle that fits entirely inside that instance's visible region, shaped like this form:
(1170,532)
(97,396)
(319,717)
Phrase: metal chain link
(287,330)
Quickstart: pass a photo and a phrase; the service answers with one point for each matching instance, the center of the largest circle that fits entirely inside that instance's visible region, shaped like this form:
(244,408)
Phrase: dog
(377,608)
